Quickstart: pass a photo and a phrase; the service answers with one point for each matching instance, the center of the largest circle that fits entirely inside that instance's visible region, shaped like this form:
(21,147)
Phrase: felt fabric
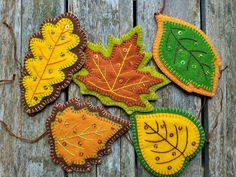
(55,54)
(118,75)
(80,134)
(166,139)
(186,55)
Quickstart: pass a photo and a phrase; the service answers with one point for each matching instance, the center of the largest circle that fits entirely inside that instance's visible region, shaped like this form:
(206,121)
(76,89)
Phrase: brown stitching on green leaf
(176,28)
(185,38)
(167,40)
(176,51)
(188,62)
(200,51)
(189,51)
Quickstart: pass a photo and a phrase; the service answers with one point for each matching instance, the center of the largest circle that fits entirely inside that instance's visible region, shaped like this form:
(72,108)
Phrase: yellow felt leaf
(51,55)
(166,141)
(55,53)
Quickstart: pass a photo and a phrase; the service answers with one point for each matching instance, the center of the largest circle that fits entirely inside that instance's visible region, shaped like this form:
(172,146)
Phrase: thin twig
(204,103)
(221,71)
(128,138)
(217,118)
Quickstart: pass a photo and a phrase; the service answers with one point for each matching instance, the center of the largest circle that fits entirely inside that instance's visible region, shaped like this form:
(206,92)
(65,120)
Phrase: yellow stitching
(121,67)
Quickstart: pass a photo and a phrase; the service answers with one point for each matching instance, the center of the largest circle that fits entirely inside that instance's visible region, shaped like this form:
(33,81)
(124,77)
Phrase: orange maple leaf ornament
(80,134)
(118,75)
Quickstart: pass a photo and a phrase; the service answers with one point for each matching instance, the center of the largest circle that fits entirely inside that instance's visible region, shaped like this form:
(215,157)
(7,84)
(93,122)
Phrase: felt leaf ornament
(166,139)
(55,54)
(118,75)
(186,55)
(80,134)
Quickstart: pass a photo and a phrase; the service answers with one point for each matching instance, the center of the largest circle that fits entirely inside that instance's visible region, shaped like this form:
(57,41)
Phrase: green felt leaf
(186,51)
(187,54)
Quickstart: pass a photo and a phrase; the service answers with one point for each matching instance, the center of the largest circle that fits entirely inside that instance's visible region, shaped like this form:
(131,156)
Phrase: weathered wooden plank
(10,12)
(220,26)
(171,96)
(39,162)
(17,158)
(34,159)
(101,18)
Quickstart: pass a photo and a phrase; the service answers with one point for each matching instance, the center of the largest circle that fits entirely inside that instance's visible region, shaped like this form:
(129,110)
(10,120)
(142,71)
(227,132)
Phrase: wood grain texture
(17,158)
(39,162)
(100,18)
(172,95)
(10,148)
(220,26)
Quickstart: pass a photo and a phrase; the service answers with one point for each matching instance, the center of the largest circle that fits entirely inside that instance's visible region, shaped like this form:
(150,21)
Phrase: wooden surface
(99,18)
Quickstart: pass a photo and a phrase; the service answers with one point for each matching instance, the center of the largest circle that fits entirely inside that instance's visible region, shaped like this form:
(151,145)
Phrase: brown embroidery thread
(25,140)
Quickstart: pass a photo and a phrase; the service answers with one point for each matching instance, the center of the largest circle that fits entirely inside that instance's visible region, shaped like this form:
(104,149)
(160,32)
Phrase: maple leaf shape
(186,55)
(118,75)
(80,134)
(166,140)
(55,54)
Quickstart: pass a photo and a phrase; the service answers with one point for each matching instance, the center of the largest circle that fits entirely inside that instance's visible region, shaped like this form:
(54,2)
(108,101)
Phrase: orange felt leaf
(118,76)
(80,134)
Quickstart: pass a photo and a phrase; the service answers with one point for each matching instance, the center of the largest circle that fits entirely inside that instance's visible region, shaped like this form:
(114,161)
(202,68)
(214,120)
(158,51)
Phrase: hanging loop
(208,140)
(8,81)
(162,8)
(30,141)
(18,63)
